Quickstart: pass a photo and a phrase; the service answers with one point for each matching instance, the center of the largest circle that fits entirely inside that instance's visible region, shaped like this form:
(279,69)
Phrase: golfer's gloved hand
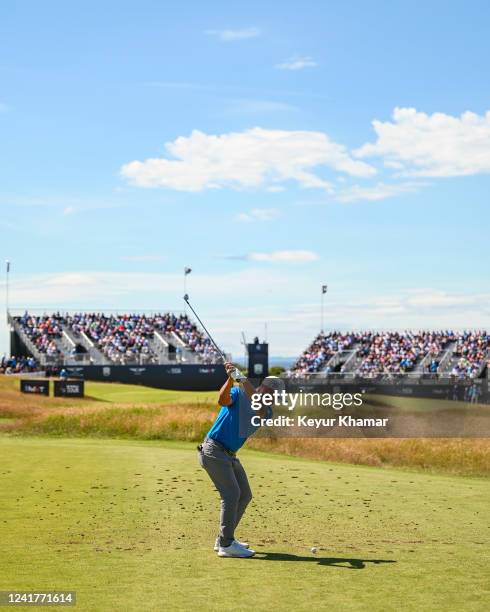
(229,367)
(233,372)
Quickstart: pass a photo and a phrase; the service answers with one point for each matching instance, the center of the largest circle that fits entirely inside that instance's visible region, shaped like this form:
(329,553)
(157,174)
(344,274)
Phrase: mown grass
(130,525)
(105,392)
(154,414)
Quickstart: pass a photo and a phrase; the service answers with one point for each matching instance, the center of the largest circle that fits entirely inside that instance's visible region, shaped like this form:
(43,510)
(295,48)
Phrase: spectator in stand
(320,351)
(434,366)
(18,365)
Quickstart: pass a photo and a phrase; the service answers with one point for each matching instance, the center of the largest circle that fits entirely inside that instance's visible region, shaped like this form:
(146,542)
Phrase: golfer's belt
(221,446)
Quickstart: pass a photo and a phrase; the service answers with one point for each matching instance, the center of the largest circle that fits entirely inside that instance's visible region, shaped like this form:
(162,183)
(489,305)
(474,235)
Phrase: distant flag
(187,271)
(8,266)
(324,289)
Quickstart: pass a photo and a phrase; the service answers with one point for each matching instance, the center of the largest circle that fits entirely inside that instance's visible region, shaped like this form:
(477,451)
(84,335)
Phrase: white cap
(275,383)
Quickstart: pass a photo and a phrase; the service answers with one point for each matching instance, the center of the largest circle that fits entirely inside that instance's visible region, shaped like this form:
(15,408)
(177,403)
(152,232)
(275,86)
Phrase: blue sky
(138,138)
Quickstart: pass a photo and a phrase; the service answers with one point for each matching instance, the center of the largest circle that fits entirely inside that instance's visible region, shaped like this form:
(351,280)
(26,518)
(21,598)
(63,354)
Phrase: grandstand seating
(370,354)
(165,337)
(42,331)
(118,339)
(470,354)
(323,347)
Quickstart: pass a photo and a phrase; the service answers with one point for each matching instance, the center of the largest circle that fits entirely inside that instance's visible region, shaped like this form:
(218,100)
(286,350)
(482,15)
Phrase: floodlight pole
(7,289)
(321,314)
(187,271)
(322,307)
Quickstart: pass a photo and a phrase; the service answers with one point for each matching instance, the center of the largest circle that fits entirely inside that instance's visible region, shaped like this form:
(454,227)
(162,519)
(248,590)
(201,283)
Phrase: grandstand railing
(349,377)
(446,358)
(18,312)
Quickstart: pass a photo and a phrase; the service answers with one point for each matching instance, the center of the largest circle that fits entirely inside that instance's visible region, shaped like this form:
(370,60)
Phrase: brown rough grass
(28,415)
(455,456)
(100,419)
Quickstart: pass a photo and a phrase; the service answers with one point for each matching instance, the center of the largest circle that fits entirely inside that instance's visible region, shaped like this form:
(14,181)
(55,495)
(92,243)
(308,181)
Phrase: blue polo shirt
(233,424)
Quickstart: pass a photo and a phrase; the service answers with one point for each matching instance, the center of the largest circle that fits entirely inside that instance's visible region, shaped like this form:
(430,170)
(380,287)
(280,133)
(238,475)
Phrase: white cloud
(258,214)
(432,298)
(437,145)
(69,210)
(253,158)
(245,299)
(284,256)
(237,291)
(372,193)
(297,63)
(420,308)
(116,289)
(228,35)
(413,309)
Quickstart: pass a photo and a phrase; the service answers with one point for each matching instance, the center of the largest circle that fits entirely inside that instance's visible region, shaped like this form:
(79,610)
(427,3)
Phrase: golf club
(236,374)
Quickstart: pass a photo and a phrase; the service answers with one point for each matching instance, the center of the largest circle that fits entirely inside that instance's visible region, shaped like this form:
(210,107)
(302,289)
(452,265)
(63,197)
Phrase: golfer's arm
(224,398)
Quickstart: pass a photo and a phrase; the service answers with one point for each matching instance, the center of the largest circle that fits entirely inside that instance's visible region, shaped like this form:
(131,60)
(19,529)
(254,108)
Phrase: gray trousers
(231,481)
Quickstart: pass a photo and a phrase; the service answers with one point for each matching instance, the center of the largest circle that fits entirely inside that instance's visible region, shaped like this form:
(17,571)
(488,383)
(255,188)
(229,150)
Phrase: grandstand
(61,339)
(439,354)
(95,338)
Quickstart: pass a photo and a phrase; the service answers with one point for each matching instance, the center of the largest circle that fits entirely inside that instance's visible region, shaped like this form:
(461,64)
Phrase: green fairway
(122,393)
(116,392)
(130,525)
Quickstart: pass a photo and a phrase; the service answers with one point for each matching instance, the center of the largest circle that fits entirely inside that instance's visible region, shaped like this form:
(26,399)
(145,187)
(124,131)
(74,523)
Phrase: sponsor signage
(36,387)
(69,388)
(137,371)
(76,372)
(186,377)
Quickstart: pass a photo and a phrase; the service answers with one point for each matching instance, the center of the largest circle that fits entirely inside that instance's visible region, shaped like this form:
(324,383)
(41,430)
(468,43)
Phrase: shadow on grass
(91,398)
(343,562)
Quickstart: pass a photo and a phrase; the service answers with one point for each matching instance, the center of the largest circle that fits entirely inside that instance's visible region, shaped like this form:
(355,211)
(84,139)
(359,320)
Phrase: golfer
(217,455)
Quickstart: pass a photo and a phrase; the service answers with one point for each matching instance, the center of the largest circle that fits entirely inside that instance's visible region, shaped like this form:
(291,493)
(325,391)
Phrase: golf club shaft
(207,333)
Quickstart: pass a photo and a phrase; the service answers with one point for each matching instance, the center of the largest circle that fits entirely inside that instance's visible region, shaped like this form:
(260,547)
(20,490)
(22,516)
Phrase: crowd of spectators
(121,338)
(128,338)
(323,347)
(189,333)
(396,352)
(18,365)
(471,350)
(392,353)
(42,331)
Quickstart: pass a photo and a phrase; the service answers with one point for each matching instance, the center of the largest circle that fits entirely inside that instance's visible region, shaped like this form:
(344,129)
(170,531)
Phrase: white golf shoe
(244,544)
(235,550)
